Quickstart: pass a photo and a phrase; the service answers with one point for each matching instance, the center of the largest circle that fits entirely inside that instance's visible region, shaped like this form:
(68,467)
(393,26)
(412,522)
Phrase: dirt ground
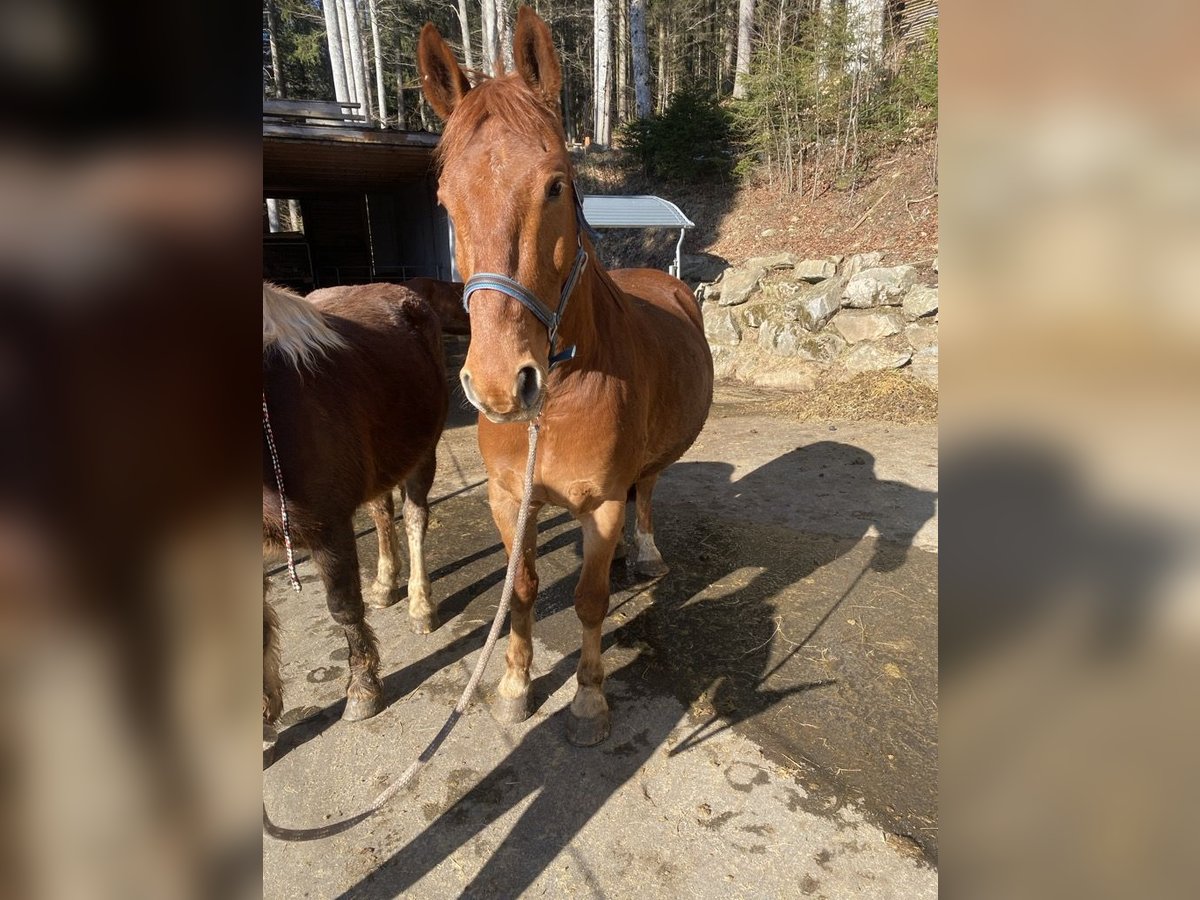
(774,696)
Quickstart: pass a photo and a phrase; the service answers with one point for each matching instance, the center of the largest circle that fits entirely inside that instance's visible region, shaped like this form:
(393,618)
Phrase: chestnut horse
(629,401)
(355,385)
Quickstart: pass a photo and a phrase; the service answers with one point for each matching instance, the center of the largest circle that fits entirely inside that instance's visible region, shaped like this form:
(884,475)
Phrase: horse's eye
(556,190)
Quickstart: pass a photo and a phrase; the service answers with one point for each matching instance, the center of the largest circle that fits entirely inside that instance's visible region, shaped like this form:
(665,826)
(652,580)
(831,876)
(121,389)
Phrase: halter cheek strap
(551,318)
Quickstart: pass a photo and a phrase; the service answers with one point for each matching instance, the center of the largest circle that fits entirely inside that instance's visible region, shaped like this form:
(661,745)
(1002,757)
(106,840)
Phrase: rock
(774,261)
(702,267)
(823,347)
(878,287)
(857,325)
(920,301)
(925,365)
(837,259)
(814,306)
(921,335)
(739,284)
(755,314)
(814,270)
(767,232)
(935,268)
(721,327)
(768,334)
(876,356)
(706,292)
(860,261)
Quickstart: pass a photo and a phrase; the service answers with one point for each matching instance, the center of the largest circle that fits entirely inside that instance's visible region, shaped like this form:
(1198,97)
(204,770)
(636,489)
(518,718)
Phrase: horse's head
(506,183)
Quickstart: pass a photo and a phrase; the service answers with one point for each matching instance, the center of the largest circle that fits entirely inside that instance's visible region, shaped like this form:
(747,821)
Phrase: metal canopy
(638,212)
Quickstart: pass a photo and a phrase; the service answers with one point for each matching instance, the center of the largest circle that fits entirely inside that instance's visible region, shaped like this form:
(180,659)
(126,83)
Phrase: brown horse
(445,297)
(355,384)
(638,389)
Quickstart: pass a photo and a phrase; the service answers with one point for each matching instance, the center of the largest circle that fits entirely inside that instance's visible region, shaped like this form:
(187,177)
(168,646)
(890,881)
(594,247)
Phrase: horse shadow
(726,639)
(736,544)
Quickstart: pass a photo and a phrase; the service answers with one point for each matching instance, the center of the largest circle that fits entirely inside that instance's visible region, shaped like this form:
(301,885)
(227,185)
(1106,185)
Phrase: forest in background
(802,94)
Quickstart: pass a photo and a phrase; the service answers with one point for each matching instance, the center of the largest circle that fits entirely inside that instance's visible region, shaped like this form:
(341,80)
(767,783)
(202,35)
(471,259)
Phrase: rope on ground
(311,834)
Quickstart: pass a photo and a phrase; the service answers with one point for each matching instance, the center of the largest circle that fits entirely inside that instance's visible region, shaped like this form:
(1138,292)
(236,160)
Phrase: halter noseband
(492,281)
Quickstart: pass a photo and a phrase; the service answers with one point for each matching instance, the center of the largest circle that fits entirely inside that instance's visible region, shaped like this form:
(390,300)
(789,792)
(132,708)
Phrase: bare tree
(382,101)
(504,22)
(491,36)
(356,57)
(641,58)
(347,66)
(333,37)
(273,37)
(602,86)
(745,31)
(465,26)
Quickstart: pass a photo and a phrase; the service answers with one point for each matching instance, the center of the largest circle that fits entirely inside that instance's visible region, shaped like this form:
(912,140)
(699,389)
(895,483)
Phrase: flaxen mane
(295,328)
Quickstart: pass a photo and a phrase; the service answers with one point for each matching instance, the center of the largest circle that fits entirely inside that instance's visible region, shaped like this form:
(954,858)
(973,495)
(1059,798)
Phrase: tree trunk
(603,82)
(347,66)
(662,67)
(622,43)
(504,24)
(273,216)
(491,39)
(356,57)
(641,58)
(297,222)
(401,117)
(333,38)
(464,25)
(272,35)
(745,31)
(379,90)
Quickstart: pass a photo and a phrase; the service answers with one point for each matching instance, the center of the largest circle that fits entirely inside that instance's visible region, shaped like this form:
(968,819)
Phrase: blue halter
(551,318)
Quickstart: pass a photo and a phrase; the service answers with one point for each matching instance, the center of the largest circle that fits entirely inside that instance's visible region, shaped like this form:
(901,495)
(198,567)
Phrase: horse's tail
(295,328)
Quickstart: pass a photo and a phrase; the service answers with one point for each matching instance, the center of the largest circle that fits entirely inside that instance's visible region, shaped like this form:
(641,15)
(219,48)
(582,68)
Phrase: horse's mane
(506,98)
(295,328)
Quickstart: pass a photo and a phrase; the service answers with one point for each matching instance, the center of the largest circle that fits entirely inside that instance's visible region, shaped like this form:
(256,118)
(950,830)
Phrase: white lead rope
(310,834)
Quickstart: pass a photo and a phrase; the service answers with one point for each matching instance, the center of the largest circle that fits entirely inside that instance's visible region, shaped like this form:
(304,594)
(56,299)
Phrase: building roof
(301,158)
(633,212)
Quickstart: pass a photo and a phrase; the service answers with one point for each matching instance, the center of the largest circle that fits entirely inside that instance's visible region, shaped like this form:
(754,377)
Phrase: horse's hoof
(381,596)
(423,624)
(590,731)
(359,708)
(651,568)
(511,710)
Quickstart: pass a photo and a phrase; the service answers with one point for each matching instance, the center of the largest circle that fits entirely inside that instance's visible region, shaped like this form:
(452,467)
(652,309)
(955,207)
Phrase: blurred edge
(129,633)
(1070,214)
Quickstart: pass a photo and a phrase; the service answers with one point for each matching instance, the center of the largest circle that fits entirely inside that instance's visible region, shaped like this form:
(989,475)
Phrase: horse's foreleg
(589,721)
(512,694)
(337,560)
(421,610)
(384,592)
(647,560)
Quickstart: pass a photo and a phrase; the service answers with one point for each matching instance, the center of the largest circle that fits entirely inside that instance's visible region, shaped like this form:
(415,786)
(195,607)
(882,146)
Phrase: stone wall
(784,321)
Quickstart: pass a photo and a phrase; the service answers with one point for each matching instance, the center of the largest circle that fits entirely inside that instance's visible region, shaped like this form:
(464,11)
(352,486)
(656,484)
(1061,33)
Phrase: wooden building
(365,197)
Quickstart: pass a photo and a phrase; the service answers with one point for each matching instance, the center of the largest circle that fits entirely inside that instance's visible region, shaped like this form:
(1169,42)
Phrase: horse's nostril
(529,386)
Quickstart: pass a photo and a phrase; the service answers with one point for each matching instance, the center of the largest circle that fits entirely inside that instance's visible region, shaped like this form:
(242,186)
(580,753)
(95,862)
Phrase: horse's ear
(442,80)
(536,61)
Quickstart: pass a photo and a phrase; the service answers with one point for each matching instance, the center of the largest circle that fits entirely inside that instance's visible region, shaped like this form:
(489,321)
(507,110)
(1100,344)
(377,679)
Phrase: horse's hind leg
(337,560)
(647,560)
(272,683)
(589,721)
(421,610)
(512,693)
(385,591)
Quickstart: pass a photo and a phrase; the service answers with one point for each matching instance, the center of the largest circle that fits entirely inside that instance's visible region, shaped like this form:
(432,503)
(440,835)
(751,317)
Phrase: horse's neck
(597,318)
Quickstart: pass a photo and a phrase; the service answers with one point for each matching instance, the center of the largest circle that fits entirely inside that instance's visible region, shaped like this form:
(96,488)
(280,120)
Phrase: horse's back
(363,416)
(661,290)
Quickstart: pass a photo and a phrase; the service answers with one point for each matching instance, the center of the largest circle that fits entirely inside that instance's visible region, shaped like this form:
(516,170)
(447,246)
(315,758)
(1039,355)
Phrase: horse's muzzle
(523,402)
